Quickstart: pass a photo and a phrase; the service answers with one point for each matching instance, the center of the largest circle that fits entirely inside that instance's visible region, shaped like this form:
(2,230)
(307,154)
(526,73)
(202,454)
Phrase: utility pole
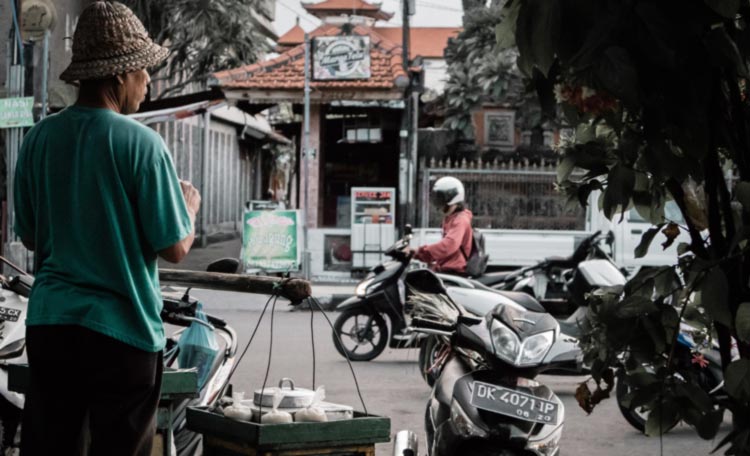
(404,202)
(306,263)
(406,38)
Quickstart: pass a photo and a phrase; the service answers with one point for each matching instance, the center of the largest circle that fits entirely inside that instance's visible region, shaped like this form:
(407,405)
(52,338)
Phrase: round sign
(37,16)
(343,57)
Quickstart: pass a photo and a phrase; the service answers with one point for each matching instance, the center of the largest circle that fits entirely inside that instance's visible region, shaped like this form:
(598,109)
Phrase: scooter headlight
(463,424)
(548,446)
(505,341)
(535,348)
(528,352)
(361,289)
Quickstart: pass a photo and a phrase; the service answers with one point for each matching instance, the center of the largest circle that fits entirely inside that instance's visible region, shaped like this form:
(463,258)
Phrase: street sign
(270,240)
(16,112)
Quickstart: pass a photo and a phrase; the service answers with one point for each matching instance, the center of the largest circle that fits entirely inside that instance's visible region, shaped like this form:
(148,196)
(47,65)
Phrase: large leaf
(709,424)
(714,296)
(505,31)
(538,32)
(620,183)
(742,322)
(646,240)
(726,8)
(661,418)
(737,380)
(618,75)
(634,306)
(723,48)
(565,169)
(742,193)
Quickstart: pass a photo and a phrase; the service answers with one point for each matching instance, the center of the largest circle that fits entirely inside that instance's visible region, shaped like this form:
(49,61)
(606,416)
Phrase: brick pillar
(312,186)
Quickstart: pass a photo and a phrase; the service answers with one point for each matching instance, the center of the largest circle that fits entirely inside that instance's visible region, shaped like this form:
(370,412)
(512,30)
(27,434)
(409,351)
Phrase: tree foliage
(204,36)
(478,74)
(657,91)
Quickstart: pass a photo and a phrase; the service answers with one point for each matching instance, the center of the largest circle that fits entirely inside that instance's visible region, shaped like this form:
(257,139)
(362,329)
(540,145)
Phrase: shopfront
(356,108)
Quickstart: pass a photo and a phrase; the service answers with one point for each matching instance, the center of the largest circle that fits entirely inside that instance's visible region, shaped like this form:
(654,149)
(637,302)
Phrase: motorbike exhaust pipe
(406,444)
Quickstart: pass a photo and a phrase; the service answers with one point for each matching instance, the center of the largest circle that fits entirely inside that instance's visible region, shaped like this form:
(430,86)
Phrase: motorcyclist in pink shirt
(450,254)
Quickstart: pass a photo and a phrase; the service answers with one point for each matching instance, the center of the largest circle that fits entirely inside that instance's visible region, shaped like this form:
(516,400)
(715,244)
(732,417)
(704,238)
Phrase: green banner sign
(16,112)
(270,240)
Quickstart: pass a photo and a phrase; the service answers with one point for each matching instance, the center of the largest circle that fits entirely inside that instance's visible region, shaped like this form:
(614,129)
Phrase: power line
(439,7)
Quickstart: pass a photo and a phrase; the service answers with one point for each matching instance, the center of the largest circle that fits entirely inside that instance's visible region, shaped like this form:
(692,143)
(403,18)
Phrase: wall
(231,173)
(435,74)
(60,50)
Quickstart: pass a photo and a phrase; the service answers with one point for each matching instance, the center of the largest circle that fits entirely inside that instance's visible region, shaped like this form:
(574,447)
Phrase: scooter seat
(526,301)
(561,262)
(493,278)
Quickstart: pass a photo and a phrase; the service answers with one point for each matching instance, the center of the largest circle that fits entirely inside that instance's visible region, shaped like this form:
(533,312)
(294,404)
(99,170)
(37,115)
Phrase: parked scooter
(486,401)
(362,327)
(179,310)
(549,281)
(700,363)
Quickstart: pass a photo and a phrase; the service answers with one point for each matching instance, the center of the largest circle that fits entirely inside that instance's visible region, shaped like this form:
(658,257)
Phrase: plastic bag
(198,347)
(276,416)
(237,410)
(313,413)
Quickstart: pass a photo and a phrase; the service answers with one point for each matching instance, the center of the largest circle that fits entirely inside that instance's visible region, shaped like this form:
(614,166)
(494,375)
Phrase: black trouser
(75,374)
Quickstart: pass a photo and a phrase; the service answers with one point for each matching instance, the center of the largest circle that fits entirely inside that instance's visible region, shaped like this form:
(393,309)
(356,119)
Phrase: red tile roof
(286,72)
(429,42)
(338,7)
(295,36)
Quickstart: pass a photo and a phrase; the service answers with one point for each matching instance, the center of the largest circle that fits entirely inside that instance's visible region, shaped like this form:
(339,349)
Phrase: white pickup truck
(515,248)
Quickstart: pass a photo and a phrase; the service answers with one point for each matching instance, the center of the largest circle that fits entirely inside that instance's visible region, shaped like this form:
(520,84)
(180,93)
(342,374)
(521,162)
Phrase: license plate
(517,404)
(8,314)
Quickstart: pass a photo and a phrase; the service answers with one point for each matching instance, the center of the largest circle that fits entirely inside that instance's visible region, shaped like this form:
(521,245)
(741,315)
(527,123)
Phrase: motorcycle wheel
(362,335)
(428,351)
(636,417)
(10,419)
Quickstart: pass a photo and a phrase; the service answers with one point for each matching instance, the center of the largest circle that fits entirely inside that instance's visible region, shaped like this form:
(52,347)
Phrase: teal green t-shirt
(98,195)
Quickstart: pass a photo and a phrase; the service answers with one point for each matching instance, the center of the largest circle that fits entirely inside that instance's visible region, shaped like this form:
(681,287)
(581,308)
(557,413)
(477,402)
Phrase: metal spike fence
(504,195)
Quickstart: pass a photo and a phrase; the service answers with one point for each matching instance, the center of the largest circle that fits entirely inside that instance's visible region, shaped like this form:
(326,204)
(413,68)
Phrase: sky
(430,13)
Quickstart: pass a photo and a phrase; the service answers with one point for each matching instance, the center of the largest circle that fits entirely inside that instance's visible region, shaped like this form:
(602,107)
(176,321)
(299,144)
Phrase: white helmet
(447,191)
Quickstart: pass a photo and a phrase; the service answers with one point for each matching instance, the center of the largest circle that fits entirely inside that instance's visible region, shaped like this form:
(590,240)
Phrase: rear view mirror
(407,229)
(225,265)
(469,320)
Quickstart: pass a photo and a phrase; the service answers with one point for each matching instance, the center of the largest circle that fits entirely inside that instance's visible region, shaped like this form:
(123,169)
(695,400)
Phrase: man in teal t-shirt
(97,198)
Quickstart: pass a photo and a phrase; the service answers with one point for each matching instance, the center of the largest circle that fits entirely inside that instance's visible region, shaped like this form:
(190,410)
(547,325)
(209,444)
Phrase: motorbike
(591,268)
(702,363)
(486,402)
(373,318)
(549,280)
(179,310)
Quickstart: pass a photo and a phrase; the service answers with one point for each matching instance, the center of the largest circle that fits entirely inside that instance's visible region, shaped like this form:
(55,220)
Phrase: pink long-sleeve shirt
(446,255)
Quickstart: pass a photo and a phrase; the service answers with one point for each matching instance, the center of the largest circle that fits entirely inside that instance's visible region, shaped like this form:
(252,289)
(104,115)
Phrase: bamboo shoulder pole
(294,290)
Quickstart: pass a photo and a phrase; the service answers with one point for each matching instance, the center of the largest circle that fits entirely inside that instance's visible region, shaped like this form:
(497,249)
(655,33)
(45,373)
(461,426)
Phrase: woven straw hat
(110,40)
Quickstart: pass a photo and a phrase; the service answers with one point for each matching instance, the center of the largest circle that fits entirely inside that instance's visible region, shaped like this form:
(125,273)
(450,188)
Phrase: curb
(327,301)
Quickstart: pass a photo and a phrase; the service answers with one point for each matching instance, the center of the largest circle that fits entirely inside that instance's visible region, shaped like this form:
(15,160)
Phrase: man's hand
(178,251)
(192,197)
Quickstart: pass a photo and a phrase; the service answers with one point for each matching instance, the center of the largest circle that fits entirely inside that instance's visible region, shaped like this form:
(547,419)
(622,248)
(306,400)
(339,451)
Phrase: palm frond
(429,306)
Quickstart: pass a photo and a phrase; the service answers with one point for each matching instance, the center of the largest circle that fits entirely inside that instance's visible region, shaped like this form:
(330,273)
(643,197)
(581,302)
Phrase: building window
(362,130)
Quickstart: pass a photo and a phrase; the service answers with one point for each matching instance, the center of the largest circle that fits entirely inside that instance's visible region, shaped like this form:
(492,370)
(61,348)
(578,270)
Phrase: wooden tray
(361,430)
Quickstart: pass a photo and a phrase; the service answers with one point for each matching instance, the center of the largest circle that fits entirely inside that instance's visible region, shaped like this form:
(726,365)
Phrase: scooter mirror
(225,265)
(407,229)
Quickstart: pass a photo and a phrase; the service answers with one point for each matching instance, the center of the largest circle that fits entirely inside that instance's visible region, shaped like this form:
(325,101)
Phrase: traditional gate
(507,195)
